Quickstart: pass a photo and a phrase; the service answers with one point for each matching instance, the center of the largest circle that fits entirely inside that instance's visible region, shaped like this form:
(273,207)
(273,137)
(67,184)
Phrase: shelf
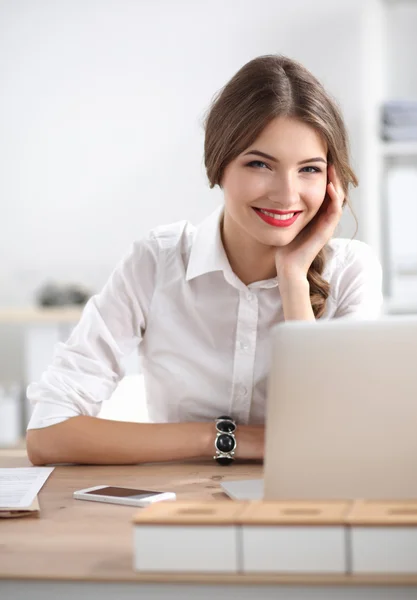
(39,315)
(394,149)
(400,307)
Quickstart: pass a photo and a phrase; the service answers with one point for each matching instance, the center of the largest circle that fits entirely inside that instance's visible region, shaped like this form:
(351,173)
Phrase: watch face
(226,426)
(225,443)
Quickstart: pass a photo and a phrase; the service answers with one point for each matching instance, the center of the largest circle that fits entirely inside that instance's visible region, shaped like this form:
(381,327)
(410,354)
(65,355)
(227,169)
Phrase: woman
(199,303)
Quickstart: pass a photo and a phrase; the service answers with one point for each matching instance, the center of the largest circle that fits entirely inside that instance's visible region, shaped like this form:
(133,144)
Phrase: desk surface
(91,541)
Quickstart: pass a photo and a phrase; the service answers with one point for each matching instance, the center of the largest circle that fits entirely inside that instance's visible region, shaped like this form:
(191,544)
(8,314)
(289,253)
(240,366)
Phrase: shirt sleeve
(87,368)
(358,285)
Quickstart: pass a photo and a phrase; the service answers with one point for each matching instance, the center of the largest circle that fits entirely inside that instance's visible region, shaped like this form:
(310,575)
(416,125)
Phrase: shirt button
(250,297)
(243,346)
(242,390)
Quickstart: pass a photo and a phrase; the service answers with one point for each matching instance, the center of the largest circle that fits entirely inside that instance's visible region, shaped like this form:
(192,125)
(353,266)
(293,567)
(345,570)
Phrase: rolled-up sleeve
(87,368)
(358,285)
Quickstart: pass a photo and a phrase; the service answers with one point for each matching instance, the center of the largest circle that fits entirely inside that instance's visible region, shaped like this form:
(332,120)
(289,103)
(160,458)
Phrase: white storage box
(187,537)
(294,537)
(383,537)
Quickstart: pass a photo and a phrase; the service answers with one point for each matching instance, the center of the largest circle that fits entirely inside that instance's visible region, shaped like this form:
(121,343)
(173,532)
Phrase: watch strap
(225,441)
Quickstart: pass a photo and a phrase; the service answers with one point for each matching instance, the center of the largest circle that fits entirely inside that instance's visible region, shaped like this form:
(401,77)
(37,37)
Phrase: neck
(249,259)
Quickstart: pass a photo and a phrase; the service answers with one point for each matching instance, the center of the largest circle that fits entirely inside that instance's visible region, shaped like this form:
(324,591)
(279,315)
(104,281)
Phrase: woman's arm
(87,368)
(91,440)
(295,296)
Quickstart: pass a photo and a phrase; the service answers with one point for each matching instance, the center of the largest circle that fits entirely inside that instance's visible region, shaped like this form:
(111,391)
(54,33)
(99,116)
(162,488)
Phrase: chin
(276,240)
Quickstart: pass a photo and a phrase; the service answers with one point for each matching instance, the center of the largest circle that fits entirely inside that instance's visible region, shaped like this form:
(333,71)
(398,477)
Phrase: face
(277,185)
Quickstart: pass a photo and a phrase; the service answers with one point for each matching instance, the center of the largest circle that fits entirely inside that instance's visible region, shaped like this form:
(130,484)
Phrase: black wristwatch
(225,442)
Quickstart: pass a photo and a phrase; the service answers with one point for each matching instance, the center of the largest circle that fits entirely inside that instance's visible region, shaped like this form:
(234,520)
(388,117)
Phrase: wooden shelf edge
(39,315)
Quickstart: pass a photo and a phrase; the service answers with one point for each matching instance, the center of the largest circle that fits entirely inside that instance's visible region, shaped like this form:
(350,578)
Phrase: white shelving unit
(390,50)
(398,149)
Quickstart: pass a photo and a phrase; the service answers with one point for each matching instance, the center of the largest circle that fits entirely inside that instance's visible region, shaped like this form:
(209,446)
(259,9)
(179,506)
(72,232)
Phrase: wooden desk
(85,548)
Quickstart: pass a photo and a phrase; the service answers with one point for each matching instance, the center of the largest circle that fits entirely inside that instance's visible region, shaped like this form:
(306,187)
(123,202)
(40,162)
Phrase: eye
(257,164)
(311,170)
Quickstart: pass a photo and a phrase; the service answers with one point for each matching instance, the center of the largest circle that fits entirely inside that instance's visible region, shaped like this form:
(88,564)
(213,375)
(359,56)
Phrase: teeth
(278,217)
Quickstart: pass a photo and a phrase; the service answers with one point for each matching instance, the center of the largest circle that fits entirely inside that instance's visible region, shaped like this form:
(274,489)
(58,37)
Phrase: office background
(101,128)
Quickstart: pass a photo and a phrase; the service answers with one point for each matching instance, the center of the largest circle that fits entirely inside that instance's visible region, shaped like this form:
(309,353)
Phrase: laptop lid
(342,410)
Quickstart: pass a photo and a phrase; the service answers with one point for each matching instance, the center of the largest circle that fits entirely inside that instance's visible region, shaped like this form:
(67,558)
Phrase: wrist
(296,302)
(207,436)
(294,281)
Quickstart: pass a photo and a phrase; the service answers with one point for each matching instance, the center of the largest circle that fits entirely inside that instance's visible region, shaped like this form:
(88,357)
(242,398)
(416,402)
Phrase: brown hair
(265,88)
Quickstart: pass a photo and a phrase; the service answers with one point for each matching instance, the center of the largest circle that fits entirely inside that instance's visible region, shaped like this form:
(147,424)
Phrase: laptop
(341,413)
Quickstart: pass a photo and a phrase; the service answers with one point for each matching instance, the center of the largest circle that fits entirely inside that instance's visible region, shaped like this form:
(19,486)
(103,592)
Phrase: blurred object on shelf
(10,415)
(53,294)
(399,120)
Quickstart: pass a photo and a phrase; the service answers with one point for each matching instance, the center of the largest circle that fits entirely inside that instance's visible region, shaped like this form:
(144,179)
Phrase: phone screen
(119,492)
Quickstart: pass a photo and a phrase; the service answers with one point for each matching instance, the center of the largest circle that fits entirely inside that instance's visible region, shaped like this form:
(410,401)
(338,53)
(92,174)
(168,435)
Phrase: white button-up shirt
(203,335)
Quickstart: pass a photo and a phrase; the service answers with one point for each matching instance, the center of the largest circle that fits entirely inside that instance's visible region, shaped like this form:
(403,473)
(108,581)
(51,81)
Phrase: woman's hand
(250,442)
(294,260)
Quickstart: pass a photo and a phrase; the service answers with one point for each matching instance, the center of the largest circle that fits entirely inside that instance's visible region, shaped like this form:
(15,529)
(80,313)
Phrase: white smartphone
(121,495)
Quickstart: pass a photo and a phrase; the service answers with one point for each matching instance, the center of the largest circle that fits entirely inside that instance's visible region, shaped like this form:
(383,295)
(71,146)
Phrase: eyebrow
(302,162)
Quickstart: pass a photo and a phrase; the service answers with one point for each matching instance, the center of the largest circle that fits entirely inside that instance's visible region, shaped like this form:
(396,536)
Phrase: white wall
(402,49)
(100,119)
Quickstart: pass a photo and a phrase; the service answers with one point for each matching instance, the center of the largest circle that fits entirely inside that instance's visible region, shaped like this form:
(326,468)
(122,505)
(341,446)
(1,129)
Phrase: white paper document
(20,486)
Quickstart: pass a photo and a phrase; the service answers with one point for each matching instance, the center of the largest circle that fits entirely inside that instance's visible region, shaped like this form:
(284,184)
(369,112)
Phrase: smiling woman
(299,134)
(199,302)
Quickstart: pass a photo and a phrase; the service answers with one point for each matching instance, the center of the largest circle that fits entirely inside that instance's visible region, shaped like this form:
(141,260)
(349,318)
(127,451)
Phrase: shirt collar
(207,252)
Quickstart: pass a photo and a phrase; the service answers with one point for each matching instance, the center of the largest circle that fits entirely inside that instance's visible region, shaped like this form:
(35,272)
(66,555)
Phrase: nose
(283,191)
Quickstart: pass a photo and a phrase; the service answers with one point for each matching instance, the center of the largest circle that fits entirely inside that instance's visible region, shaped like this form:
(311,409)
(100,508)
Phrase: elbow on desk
(35,447)
(46,445)
(32,448)
(59,443)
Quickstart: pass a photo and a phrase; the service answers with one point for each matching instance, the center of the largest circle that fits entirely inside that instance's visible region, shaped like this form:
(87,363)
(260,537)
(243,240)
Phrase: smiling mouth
(278,220)
(278,215)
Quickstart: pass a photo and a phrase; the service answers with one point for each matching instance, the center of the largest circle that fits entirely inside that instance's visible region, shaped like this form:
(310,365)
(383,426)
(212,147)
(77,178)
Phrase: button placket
(244,358)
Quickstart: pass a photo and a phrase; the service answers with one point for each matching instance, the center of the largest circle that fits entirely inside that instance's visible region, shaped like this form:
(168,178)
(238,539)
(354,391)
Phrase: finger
(335,180)
(323,226)
(335,197)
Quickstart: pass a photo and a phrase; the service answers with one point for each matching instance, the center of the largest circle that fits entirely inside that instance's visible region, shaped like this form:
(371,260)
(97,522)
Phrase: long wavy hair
(263,89)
